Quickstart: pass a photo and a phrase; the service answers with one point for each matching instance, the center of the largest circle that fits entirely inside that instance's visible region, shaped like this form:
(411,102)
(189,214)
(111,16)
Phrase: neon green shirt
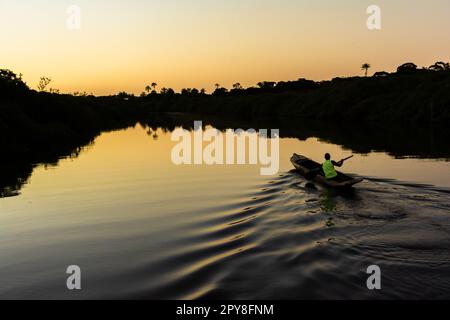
(328,170)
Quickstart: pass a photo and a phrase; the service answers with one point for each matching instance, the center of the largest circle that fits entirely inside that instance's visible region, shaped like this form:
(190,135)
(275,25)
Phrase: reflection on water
(140,227)
(401,142)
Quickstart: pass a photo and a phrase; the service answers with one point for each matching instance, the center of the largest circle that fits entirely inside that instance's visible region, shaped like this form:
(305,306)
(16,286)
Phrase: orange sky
(124,45)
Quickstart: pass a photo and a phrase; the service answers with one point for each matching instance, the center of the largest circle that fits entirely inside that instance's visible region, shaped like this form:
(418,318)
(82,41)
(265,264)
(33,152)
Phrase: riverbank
(418,98)
(404,114)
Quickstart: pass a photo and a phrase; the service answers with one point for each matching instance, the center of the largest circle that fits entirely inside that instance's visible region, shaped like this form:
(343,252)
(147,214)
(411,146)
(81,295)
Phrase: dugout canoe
(312,170)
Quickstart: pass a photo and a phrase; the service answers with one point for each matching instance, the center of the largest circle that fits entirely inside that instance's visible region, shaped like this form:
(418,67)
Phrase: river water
(140,227)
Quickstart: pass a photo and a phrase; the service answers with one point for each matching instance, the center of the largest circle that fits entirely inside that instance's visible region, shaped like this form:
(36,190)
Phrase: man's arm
(337,164)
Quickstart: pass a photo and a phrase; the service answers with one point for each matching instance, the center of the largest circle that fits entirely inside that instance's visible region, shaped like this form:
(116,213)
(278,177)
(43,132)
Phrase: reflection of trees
(14,175)
(425,141)
(39,127)
(12,178)
(397,141)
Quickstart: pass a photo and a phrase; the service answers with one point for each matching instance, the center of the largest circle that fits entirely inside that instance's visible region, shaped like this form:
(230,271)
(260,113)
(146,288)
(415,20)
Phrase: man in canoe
(328,167)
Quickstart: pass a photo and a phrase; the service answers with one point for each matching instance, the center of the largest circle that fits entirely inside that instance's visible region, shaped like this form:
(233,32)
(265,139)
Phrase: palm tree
(366,67)
(154,85)
(217,86)
(148,89)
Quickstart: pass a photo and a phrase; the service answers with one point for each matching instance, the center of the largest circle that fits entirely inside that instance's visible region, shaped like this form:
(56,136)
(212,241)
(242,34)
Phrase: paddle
(348,158)
(313,173)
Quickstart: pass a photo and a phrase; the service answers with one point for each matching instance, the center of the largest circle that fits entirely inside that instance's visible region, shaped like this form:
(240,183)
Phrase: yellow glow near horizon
(125,45)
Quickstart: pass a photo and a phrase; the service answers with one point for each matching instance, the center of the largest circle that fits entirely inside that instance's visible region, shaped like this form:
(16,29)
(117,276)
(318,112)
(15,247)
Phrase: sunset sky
(124,45)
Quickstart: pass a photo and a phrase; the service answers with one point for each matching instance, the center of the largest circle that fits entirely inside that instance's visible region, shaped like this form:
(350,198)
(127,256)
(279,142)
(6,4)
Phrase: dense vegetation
(41,126)
(411,95)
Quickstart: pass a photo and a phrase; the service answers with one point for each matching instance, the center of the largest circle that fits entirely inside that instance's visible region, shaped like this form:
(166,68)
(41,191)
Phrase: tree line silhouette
(408,96)
(11,82)
(40,126)
(271,86)
(38,121)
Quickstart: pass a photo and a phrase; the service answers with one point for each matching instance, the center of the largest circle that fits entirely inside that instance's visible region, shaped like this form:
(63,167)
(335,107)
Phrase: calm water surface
(141,227)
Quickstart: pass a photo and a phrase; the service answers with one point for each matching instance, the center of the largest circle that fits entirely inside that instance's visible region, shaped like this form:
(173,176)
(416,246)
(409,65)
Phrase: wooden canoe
(306,167)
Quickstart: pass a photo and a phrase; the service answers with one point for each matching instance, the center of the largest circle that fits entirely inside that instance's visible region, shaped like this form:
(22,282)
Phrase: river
(141,227)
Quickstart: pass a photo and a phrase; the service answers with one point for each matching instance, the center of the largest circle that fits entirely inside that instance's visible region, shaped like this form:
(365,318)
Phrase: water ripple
(288,240)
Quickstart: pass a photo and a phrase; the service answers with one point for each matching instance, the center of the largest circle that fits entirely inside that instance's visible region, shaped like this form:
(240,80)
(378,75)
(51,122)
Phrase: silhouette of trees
(436,67)
(237,89)
(300,84)
(125,96)
(167,91)
(53,91)
(440,66)
(9,77)
(11,83)
(381,74)
(220,90)
(81,94)
(237,86)
(33,125)
(407,68)
(366,67)
(266,85)
(189,91)
(43,84)
(151,89)
(385,94)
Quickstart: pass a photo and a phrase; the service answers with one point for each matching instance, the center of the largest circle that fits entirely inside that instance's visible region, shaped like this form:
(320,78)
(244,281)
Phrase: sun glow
(124,46)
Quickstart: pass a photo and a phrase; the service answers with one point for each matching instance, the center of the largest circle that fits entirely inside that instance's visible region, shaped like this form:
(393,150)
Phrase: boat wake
(287,240)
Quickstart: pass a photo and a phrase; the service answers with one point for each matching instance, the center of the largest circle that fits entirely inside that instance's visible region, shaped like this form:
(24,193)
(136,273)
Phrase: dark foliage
(412,96)
(41,127)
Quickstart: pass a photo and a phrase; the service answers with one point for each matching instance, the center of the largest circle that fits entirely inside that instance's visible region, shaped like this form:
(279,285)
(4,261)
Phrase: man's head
(327,156)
